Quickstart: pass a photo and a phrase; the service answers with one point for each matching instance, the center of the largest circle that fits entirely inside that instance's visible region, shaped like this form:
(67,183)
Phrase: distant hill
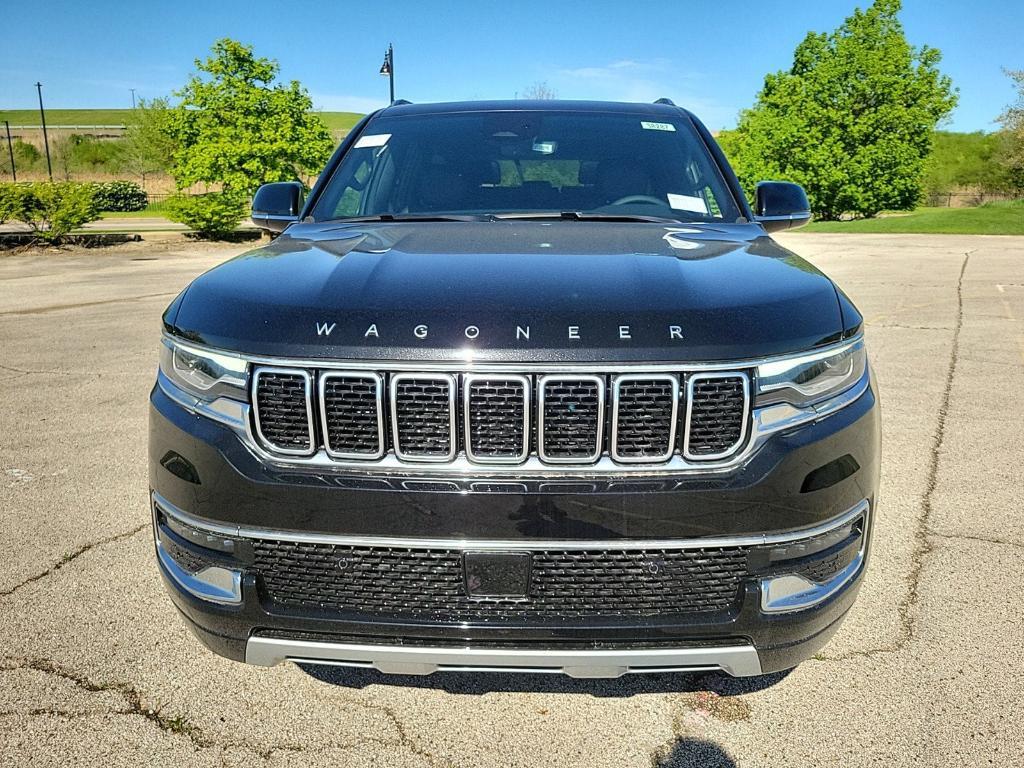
(336,121)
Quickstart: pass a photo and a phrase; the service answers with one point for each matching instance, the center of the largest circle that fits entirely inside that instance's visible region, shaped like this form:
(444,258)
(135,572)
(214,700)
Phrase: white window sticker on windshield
(372,140)
(657,126)
(687,203)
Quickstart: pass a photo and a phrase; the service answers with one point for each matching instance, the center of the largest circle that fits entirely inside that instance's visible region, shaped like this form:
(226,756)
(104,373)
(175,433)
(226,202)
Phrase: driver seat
(620,177)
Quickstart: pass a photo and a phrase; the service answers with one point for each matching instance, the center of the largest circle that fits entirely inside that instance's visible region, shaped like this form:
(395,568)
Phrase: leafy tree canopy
(236,127)
(1012,151)
(852,119)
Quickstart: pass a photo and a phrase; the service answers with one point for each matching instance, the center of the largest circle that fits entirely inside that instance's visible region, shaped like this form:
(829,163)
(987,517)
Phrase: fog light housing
(808,572)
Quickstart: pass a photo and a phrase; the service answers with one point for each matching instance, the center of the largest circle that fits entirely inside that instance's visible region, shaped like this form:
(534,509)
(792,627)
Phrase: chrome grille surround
(378,383)
(472,380)
(397,403)
(543,382)
(307,380)
(618,382)
(692,380)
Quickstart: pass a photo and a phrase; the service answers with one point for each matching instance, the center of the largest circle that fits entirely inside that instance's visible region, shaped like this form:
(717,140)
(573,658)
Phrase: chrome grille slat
(496,412)
(283,409)
(352,414)
(373,418)
(570,420)
(645,410)
(423,416)
(717,405)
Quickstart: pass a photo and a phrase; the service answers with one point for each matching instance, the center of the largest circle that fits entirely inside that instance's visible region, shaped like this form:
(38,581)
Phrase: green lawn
(336,121)
(987,219)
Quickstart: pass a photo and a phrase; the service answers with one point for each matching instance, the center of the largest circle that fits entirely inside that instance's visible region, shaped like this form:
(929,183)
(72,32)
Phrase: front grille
(423,416)
(717,407)
(283,409)
(571,419)
(639,419)
(428,583)
(353,418)
(497,417)
(644,417)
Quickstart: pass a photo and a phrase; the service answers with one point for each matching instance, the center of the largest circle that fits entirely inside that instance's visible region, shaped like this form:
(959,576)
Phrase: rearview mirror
(781,205)
(277,205)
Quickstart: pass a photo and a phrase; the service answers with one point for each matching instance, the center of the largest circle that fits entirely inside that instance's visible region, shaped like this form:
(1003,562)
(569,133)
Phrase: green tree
(147,147)
(852,119)
(236,127)
(965,160)
(1011,154)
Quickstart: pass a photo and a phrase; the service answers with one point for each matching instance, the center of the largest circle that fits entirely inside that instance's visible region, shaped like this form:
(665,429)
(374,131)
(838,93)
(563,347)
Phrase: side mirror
(781,205)
(277,205)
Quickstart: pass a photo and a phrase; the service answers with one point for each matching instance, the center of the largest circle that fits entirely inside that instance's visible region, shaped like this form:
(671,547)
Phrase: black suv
(524,386)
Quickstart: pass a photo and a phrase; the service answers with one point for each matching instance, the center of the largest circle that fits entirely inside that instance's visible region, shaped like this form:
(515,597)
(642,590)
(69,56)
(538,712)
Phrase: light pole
(388,69)
(46,140)
(133,97)
(10,151)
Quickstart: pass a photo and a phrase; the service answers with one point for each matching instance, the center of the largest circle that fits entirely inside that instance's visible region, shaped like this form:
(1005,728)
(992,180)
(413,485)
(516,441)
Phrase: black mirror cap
(277,205)
(781,205)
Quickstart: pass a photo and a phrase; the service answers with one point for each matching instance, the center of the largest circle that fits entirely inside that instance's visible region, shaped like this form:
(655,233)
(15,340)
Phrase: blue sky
(708,56)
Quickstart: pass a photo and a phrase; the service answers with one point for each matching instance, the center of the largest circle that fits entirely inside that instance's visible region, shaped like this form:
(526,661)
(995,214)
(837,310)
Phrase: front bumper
(801,483)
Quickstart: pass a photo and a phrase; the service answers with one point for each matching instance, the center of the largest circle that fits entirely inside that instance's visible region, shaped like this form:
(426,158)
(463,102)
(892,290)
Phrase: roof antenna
(400,102)
(664,100)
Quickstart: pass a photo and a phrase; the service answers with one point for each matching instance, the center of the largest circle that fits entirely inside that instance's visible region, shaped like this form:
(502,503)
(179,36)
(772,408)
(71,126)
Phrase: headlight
(811,378)
(202,373)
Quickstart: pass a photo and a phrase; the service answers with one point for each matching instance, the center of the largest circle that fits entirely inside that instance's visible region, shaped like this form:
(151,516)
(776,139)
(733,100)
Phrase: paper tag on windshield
(657,126)
(687,203)
(372,140)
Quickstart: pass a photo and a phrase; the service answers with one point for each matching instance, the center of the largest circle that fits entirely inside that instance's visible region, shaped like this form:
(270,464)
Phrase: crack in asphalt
(923,547)
(71,556)
(970,537)
(83,304)
(180,725)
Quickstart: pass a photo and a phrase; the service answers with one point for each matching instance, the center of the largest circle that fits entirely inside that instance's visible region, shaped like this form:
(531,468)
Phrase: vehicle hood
(513,291)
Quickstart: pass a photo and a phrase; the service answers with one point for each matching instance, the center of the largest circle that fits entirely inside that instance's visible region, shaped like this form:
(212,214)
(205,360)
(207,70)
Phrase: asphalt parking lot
(97,669)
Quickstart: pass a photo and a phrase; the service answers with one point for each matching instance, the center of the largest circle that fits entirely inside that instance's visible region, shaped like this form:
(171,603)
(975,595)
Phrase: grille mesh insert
(422,410)
(645,411)
(497,417)
(282,409)
(428,583)
(717,414)
(351,417)
(572,418)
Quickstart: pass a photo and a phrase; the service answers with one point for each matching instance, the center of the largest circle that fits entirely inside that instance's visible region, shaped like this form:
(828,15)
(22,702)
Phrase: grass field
(336,121)
(987,219)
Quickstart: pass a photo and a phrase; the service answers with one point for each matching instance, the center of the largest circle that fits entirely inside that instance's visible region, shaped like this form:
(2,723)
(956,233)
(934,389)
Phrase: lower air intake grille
(352,418)
(283,410)
(572,418)
(428,583)
(717,408)
(423,415)
(497,411)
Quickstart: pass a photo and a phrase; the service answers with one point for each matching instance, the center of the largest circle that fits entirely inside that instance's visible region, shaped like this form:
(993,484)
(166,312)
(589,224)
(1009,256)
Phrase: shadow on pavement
(695,752)
(477,683)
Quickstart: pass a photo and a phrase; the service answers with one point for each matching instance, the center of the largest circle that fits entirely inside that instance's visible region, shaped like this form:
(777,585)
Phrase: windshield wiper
(414,217)
(583,216)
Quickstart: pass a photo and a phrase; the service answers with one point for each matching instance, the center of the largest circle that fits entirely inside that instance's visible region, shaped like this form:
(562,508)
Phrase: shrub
(52,210)
(120,196)
(212,215)
(12,202)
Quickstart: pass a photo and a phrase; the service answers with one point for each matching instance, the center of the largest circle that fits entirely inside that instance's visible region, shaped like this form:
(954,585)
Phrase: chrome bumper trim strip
(213,583)
(505,544)
(739,660)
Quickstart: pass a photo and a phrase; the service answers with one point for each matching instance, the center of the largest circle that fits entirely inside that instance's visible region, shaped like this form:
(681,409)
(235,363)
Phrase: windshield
(523,163)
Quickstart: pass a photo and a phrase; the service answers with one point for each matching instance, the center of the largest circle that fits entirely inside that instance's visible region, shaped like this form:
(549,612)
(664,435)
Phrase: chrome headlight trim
(804,380)
(206,374)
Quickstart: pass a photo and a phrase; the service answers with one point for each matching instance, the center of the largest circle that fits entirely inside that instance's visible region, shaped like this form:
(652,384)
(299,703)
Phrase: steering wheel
(646,199)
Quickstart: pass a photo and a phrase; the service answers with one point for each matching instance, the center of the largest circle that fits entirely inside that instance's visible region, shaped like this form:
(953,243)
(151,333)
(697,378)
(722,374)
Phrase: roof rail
(664,100)
(400,102)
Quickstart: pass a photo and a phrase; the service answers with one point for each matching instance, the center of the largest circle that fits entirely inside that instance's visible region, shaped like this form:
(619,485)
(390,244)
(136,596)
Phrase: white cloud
(645,81)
